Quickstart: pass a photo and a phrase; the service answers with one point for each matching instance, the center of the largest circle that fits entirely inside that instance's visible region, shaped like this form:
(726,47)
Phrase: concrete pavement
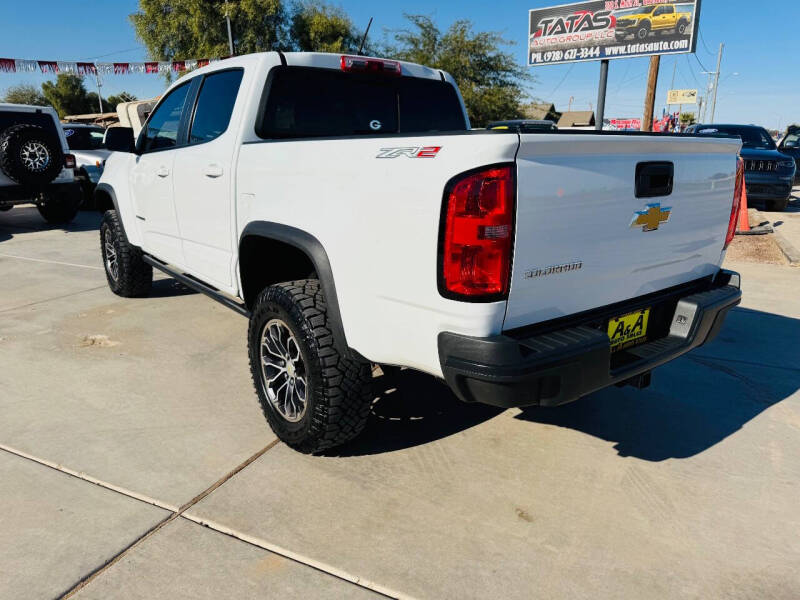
(129,425)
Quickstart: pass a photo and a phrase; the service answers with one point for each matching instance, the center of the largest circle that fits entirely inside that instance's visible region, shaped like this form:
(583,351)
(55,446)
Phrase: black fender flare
(313,249)
(104,188)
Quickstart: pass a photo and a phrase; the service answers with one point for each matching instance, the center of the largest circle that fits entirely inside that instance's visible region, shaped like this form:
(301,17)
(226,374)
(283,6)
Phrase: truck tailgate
(577,247)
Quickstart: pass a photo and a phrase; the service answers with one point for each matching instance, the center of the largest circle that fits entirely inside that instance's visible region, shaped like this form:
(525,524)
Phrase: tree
(491,81)
(68,95)
(183,29)
(687,118)
(115,99)
(24,94)
(320,27)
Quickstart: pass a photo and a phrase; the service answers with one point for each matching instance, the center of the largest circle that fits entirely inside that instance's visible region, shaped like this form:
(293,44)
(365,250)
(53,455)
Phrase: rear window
(308,102)
(84,138)
(9,118)
(754,138)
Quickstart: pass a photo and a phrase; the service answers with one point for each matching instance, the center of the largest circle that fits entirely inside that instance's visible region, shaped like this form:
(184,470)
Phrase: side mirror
(119,139)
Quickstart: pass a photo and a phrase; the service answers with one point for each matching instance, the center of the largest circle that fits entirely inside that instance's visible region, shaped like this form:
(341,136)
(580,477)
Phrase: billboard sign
(626,124)
(606,29)
(682,97)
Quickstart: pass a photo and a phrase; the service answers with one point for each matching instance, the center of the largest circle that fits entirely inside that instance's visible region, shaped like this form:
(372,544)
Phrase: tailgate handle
(654,179)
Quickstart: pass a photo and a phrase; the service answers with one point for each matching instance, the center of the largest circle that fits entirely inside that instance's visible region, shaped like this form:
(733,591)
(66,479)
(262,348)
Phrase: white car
(35,163)
(343,205)
(87,143)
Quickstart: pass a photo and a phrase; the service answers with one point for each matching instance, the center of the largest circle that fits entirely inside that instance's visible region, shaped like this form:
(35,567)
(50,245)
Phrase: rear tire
(59,207)
(127,273)
(30,155)
(313,397)
(777,205)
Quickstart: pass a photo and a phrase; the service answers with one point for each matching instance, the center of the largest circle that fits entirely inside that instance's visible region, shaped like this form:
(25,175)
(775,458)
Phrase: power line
(691,71)
(699,63)
(702,39)
(112,53)
(563,79)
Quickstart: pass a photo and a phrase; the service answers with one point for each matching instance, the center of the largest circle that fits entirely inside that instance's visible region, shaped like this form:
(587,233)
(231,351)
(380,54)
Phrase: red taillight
(69,161)
(737,201)
(477,236)
(371,65)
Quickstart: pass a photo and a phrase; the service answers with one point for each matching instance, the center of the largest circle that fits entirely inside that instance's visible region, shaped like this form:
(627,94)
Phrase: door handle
(162,171)
(212,170)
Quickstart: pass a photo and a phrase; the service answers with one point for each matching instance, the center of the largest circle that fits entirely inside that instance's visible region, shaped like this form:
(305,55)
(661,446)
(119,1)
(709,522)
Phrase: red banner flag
(121,68)
(48,66)
(151,67)
(85,68)
(178,65)
(8,65)
(202,62)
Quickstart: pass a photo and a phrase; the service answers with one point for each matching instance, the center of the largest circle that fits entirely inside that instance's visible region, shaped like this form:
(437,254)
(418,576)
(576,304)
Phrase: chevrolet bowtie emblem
(651,218)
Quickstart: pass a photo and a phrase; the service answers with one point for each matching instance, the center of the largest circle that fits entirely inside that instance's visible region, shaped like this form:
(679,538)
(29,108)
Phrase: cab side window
(162,128)
(215,105)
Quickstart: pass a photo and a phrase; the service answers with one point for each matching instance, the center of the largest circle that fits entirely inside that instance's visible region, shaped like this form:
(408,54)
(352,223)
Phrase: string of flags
(17,65)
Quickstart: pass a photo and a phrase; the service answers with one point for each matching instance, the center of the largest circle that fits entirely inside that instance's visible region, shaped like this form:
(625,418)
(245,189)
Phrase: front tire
(313,397)
(127,273)
(643,32)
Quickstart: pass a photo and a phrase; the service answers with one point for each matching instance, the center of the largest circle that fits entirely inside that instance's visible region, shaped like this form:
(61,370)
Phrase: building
(541,111)
(576,118)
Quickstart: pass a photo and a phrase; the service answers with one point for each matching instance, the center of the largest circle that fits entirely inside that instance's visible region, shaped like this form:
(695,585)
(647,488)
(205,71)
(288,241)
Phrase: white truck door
(204,180)
(152,179)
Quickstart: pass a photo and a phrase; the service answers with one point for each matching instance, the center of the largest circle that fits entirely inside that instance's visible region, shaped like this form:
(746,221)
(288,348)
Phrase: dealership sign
(682,97)
(605,29)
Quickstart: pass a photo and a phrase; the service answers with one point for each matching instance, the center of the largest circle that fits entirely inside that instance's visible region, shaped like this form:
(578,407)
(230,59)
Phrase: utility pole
(99,94)
(716,82)
(650,97)
(601,95)
(228,21)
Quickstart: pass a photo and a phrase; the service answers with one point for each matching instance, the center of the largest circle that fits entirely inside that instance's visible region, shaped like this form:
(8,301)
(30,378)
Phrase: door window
(215,105)
(162,128)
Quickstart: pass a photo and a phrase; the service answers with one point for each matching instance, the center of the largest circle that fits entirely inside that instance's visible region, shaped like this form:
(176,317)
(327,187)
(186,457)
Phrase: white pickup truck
(345,207)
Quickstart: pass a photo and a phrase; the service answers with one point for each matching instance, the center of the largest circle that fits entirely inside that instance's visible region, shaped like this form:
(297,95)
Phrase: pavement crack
(175,511)
(46,300)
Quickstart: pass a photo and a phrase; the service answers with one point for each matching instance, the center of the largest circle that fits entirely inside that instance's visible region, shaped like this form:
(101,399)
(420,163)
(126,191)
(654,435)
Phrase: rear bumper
(22,194)
(562,365)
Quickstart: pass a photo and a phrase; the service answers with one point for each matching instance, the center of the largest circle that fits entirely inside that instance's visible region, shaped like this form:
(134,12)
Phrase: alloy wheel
(35,156)
(283,370)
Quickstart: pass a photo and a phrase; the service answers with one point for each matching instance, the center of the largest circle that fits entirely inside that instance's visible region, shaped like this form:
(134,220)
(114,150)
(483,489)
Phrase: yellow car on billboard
(663,18)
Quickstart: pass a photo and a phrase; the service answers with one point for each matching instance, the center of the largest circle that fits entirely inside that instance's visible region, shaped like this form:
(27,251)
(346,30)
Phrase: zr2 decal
(411,152)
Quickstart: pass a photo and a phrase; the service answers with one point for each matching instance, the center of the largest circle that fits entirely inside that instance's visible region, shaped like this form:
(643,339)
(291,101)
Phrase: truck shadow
(411,409)
(693,404)
(697,401)
(24,219)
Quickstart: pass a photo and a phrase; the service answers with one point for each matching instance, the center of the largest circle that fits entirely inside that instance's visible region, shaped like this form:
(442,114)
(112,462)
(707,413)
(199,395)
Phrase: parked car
(353,223)
(87,144)
(790,146)
(524,125)
(35,163)
(769,174)
(660,18)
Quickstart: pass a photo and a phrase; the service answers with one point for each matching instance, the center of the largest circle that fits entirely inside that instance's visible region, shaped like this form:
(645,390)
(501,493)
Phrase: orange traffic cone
(744,219)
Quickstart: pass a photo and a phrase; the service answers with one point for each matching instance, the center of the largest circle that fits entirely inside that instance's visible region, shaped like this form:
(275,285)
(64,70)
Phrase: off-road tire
(338,388)
(643,32)
(134,276)
(778,205)
(59,206)
(681,28)
(13,144)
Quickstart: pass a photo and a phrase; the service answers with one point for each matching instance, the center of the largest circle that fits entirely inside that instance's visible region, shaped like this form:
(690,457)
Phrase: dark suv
(768,173)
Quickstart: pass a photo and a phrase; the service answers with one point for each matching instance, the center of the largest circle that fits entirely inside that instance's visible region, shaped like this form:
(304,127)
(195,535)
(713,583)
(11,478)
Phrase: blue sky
(757,47)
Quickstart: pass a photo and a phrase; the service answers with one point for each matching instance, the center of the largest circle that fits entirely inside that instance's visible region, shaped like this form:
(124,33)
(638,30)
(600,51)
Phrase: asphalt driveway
(135,462)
